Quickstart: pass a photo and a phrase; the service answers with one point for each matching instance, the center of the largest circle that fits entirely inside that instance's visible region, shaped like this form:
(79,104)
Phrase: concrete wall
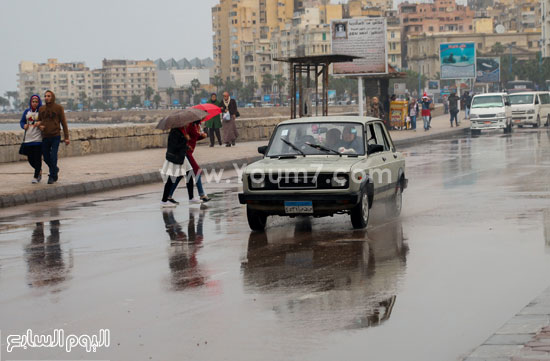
(120,138)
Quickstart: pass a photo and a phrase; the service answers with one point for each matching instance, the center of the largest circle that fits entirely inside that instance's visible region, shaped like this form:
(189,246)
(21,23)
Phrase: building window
(431,28)
(392,35)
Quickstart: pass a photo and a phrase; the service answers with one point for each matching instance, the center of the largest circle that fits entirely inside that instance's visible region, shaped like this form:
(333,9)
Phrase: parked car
(322,166)
(530,108)
(491,111)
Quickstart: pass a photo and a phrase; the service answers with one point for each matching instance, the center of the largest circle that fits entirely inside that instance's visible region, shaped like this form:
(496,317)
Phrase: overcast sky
(90,30)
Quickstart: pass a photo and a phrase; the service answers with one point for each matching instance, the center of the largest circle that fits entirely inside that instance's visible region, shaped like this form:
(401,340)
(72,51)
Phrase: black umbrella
(181,118)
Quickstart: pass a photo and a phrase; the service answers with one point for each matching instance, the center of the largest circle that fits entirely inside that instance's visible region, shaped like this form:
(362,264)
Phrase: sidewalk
(526,337)
(102,172)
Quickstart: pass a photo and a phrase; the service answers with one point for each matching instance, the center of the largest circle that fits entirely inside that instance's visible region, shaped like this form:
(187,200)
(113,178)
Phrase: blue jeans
(426,122)
(198,182)
(413,122)
(50,147)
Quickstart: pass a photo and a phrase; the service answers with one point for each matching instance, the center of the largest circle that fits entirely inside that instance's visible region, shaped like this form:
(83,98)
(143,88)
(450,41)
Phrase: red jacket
(194,133)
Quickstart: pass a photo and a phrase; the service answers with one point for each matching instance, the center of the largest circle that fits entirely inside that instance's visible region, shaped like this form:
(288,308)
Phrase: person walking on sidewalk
(176,165)
(52,117)
(413,113)
(453,108)
(194,134)
(32,140)
(214,124)
(376,109)
(426,111)
(230,114)
(467,104)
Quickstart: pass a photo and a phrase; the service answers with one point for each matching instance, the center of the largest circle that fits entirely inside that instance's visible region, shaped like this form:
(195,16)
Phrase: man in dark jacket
(453,108)
(52,117)
(467,99)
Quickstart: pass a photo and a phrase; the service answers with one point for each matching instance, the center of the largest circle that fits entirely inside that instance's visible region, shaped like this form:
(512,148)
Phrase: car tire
(361,212)
(520,126)
(537,125)
(475,131)
(393,208)
(256,220)
(548,120)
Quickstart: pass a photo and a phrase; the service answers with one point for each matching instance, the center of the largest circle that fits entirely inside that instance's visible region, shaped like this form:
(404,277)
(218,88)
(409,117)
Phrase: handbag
(226,116)
(23,149)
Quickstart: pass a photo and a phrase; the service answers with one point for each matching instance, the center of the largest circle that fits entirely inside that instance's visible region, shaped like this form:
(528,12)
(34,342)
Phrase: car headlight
(501,115)
(531,111)
(339,181)
(257,181)
(474,116)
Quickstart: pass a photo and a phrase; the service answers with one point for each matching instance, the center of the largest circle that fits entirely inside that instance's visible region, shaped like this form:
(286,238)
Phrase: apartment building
(394,38)
(124,79)
(423,50)
(545,19)
(66,80)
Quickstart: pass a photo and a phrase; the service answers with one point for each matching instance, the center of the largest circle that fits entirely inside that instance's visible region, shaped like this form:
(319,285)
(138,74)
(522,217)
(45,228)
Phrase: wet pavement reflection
(470,249)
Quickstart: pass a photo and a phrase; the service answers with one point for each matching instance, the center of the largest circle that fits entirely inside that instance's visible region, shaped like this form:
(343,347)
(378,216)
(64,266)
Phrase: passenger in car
(333,139)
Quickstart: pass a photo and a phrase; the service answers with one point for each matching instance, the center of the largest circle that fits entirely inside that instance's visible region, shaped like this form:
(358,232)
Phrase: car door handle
(395,156)
(384,159)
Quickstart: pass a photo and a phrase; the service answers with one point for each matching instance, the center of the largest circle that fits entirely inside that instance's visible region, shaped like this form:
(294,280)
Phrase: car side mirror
(374,148)
(262,149)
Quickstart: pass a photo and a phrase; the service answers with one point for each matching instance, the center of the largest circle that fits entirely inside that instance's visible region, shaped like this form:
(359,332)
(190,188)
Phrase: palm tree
(217,81)
(498,48)
(280,81)
(10,95)
(149,92)
(157,99)
(4,102)
(267,82)
(195,85)
(83,99)
(170,92)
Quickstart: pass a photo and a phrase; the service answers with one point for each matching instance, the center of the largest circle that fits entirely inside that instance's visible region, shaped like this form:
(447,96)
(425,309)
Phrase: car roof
(488,94)
(331,119)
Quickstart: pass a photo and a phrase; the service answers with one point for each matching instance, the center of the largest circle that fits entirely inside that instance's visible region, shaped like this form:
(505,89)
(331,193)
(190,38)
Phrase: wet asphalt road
(471,248)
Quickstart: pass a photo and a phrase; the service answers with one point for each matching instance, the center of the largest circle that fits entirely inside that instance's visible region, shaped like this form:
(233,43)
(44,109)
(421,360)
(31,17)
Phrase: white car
(491,111)
(530,108)
(321,166)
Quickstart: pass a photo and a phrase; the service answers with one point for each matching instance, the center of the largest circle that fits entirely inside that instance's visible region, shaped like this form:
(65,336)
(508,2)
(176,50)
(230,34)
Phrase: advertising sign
(458,60)
(488,70)
(267,98)
(175,102)
(147,103)
(204,100)
(331,93)
(433,85)
(363,37)
(399,88)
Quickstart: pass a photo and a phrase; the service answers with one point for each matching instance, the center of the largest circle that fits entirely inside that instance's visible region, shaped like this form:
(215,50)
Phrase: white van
(491,111)
(530,108)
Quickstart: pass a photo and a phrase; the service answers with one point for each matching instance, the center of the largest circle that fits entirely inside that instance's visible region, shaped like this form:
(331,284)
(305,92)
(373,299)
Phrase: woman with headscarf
(230,114)
(32,140)
(376,109)
(214,124)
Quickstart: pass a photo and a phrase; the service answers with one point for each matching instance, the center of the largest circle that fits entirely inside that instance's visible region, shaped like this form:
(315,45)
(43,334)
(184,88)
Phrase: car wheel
(520,126)
(548,120)
(395,204)
(538,122)
(475,131)
(256,220)
(361,212)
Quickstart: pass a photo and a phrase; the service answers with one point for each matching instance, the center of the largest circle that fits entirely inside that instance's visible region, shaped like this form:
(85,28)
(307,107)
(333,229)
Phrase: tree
(136,101)
(4,102)
(498,49)
(157,99)
(267,82)
(170,92)
(195,85)
(149,92)
(10,95)
(280,81)
(99,104)
(217,81)
(234,87)
(71,104)
(345,87)
(83,99)
(248,91)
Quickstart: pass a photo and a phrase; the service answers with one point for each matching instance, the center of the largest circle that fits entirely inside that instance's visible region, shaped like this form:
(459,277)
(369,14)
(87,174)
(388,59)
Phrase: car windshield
(487,101)
(521,99)
(318,139)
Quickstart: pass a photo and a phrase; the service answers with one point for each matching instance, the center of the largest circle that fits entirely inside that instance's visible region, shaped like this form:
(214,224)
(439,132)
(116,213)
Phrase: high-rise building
(67,80)
(124,79)
(545,37)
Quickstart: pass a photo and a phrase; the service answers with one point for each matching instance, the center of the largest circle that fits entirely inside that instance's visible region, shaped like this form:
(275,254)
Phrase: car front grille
(487,115)
(286,181)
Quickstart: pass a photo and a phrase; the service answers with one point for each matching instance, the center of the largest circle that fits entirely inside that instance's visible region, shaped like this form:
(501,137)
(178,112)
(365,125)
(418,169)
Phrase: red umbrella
(211,109)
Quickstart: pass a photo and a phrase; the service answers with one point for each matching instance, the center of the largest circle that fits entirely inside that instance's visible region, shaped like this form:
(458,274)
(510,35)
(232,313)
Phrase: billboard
(363,37)
(458,60)
(433,85)
(488,70)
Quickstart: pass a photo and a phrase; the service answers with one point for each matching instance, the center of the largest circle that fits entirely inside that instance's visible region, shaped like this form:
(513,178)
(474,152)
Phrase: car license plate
(517,120)
(486,122)
(298,207)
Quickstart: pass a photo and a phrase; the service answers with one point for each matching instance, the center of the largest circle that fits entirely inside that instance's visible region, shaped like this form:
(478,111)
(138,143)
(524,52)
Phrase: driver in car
(350,142)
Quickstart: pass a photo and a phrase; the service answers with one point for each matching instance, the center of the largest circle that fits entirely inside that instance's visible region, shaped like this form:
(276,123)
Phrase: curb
(75,189)
(442,135)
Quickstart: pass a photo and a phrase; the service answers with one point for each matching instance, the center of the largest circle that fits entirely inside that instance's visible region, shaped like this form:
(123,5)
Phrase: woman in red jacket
(195,134)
